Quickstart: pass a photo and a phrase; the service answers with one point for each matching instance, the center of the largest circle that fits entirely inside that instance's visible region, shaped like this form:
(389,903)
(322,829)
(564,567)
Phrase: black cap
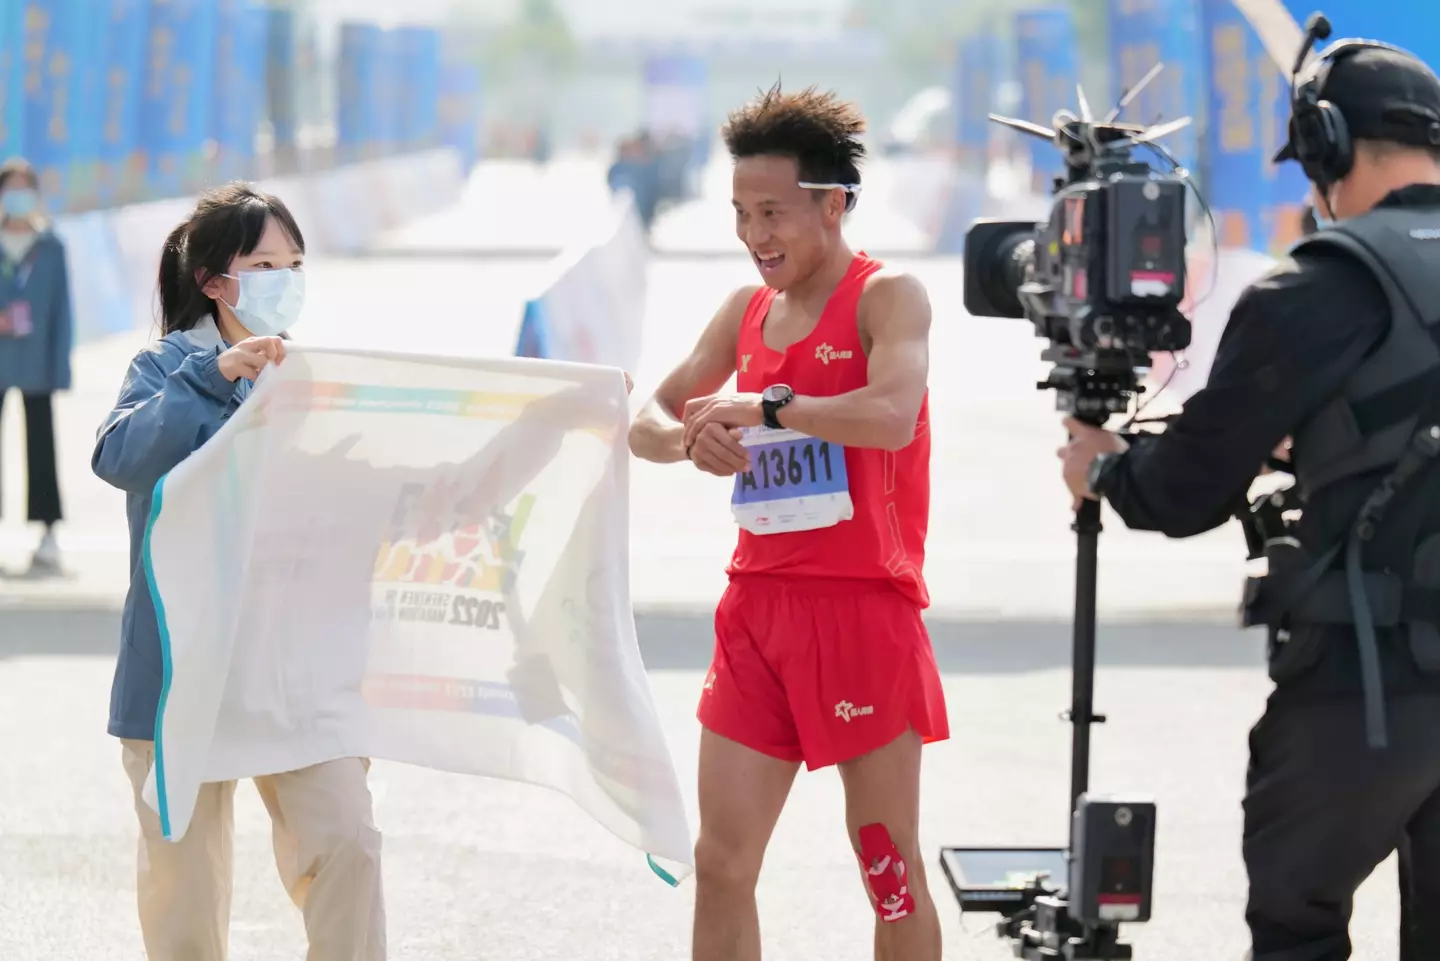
(1383,95)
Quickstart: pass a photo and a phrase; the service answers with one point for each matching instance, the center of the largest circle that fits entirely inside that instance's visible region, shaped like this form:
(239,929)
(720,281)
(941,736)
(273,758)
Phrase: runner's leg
(749,753)
(882,815)
(741,795)
(867,696)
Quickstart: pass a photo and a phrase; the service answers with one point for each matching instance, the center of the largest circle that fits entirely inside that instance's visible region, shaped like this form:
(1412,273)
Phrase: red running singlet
(890,490)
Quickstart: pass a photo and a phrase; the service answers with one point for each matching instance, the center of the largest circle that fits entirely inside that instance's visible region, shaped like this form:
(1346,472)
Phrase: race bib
(15,319)
(795,483)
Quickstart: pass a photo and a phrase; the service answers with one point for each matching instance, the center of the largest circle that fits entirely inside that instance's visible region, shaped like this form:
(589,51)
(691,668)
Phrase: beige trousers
(326,848)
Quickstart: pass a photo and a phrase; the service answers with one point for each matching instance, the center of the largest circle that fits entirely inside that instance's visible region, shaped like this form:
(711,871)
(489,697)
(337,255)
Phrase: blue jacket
(38,362)
(173,400)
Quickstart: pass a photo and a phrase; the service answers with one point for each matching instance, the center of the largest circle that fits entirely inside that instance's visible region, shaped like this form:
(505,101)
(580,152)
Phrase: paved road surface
(487,870)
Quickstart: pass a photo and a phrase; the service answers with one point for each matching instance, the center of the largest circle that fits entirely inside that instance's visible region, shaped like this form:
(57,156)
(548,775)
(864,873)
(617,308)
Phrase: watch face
(775,393)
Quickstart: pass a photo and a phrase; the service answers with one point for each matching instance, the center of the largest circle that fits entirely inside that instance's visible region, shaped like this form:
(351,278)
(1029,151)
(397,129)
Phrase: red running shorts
(820,670)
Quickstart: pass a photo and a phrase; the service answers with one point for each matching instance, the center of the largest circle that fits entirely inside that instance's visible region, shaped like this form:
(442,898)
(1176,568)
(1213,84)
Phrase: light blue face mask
(19,202)
(270,300)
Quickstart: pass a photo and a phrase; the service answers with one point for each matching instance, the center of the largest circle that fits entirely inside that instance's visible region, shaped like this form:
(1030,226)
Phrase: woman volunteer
(231,285)
(35,340)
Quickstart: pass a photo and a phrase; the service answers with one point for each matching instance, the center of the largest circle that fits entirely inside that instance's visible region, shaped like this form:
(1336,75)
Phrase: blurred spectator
(36,334)
(636,169)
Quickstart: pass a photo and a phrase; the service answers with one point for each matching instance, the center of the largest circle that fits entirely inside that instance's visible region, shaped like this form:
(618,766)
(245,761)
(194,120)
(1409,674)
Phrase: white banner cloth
(422,560)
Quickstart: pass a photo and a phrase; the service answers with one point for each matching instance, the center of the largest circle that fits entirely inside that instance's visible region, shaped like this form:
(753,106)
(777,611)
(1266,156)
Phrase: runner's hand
(249,357)
(718,451)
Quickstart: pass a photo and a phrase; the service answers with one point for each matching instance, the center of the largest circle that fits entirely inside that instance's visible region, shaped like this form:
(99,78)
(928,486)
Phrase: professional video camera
(1102,279)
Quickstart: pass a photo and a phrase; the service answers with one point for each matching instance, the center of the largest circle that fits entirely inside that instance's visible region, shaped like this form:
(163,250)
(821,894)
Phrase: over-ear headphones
(1318,132)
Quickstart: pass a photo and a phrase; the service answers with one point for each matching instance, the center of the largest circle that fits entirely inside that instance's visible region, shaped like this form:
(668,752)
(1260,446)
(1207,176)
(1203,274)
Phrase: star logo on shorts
(845,711)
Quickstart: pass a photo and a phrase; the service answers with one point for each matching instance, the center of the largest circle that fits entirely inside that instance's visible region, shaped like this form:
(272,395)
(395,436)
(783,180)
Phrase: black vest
(1364,469)
(1370,423)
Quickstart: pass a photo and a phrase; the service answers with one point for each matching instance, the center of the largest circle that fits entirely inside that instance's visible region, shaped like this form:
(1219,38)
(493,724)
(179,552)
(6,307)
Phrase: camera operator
(1337,348)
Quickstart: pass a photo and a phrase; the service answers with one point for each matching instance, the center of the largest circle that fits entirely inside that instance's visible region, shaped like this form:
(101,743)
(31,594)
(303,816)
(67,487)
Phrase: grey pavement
(479,869)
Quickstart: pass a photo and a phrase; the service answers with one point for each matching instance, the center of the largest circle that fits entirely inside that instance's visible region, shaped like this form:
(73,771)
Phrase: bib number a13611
(795,483)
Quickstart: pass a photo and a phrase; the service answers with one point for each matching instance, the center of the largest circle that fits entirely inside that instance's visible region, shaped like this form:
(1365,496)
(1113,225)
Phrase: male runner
(820,652)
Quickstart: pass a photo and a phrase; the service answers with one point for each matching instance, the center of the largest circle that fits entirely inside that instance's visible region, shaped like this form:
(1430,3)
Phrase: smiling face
(788,229)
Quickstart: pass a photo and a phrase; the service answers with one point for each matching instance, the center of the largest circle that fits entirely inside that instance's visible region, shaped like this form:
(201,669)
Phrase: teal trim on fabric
(155,500)
(533,341)
(663,874)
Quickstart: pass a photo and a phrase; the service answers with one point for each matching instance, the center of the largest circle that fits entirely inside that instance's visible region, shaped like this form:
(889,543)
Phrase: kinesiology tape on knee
(885,871)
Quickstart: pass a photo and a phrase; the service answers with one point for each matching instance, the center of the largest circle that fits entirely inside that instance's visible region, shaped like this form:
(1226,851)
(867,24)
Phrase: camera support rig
(1069,903)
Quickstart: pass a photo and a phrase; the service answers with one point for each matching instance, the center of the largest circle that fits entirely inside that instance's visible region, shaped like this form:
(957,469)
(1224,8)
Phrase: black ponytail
(228,222)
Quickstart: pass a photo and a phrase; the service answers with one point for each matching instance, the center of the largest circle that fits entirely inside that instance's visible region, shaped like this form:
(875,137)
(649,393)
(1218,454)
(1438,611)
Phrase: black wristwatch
(775,397)
(1102,468)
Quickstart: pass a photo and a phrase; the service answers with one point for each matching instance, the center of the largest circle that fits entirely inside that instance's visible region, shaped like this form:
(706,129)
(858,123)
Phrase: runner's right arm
(658,434)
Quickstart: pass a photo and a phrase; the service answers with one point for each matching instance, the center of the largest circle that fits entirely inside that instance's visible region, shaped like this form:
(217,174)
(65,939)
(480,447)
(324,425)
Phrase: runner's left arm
(895,312)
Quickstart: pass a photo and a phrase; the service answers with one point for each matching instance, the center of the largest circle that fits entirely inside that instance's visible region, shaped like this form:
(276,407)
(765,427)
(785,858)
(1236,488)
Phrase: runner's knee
(893,875)
(722,861)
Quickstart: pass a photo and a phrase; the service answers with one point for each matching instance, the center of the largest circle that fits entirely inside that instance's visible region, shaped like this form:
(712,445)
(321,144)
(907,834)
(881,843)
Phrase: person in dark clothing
(635,169)
(36,336)
(1337,348)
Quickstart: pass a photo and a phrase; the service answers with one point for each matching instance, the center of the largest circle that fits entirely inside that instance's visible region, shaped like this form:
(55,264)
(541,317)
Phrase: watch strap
(1101,473)
(769,408)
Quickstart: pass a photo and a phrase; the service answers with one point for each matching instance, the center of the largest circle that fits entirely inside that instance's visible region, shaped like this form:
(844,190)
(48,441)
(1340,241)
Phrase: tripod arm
(1082,714)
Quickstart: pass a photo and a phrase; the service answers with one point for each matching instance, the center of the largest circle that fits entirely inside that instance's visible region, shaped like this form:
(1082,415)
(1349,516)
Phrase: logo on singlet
(745,363)
(825,353)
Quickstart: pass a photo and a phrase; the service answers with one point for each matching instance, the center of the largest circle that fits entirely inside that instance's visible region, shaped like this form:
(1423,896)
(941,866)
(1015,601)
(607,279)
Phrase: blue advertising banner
(1045,49)
(121,164)
(354,93)
(239,65)
(12,74)
(86,105)
(1236,134)
(1414,26)
(976,76)
(385,93)
(174,117)
(460,110)
(419,85)
(51,86)
(280,58)
(1144,33)
(1286,191)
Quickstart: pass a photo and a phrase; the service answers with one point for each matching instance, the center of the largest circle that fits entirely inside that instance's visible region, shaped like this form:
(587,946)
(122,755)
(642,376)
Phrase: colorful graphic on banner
(1045,50)
(1144,33)
(976,75)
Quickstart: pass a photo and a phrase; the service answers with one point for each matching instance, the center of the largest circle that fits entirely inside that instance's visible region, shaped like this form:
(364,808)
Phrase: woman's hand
(249,357)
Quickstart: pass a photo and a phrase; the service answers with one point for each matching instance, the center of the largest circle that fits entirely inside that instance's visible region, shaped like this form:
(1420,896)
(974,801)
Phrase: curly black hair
(820,131)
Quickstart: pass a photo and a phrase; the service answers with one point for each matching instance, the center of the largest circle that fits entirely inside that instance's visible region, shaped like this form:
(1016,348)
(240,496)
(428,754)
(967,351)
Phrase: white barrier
(114,255)
(591,309)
